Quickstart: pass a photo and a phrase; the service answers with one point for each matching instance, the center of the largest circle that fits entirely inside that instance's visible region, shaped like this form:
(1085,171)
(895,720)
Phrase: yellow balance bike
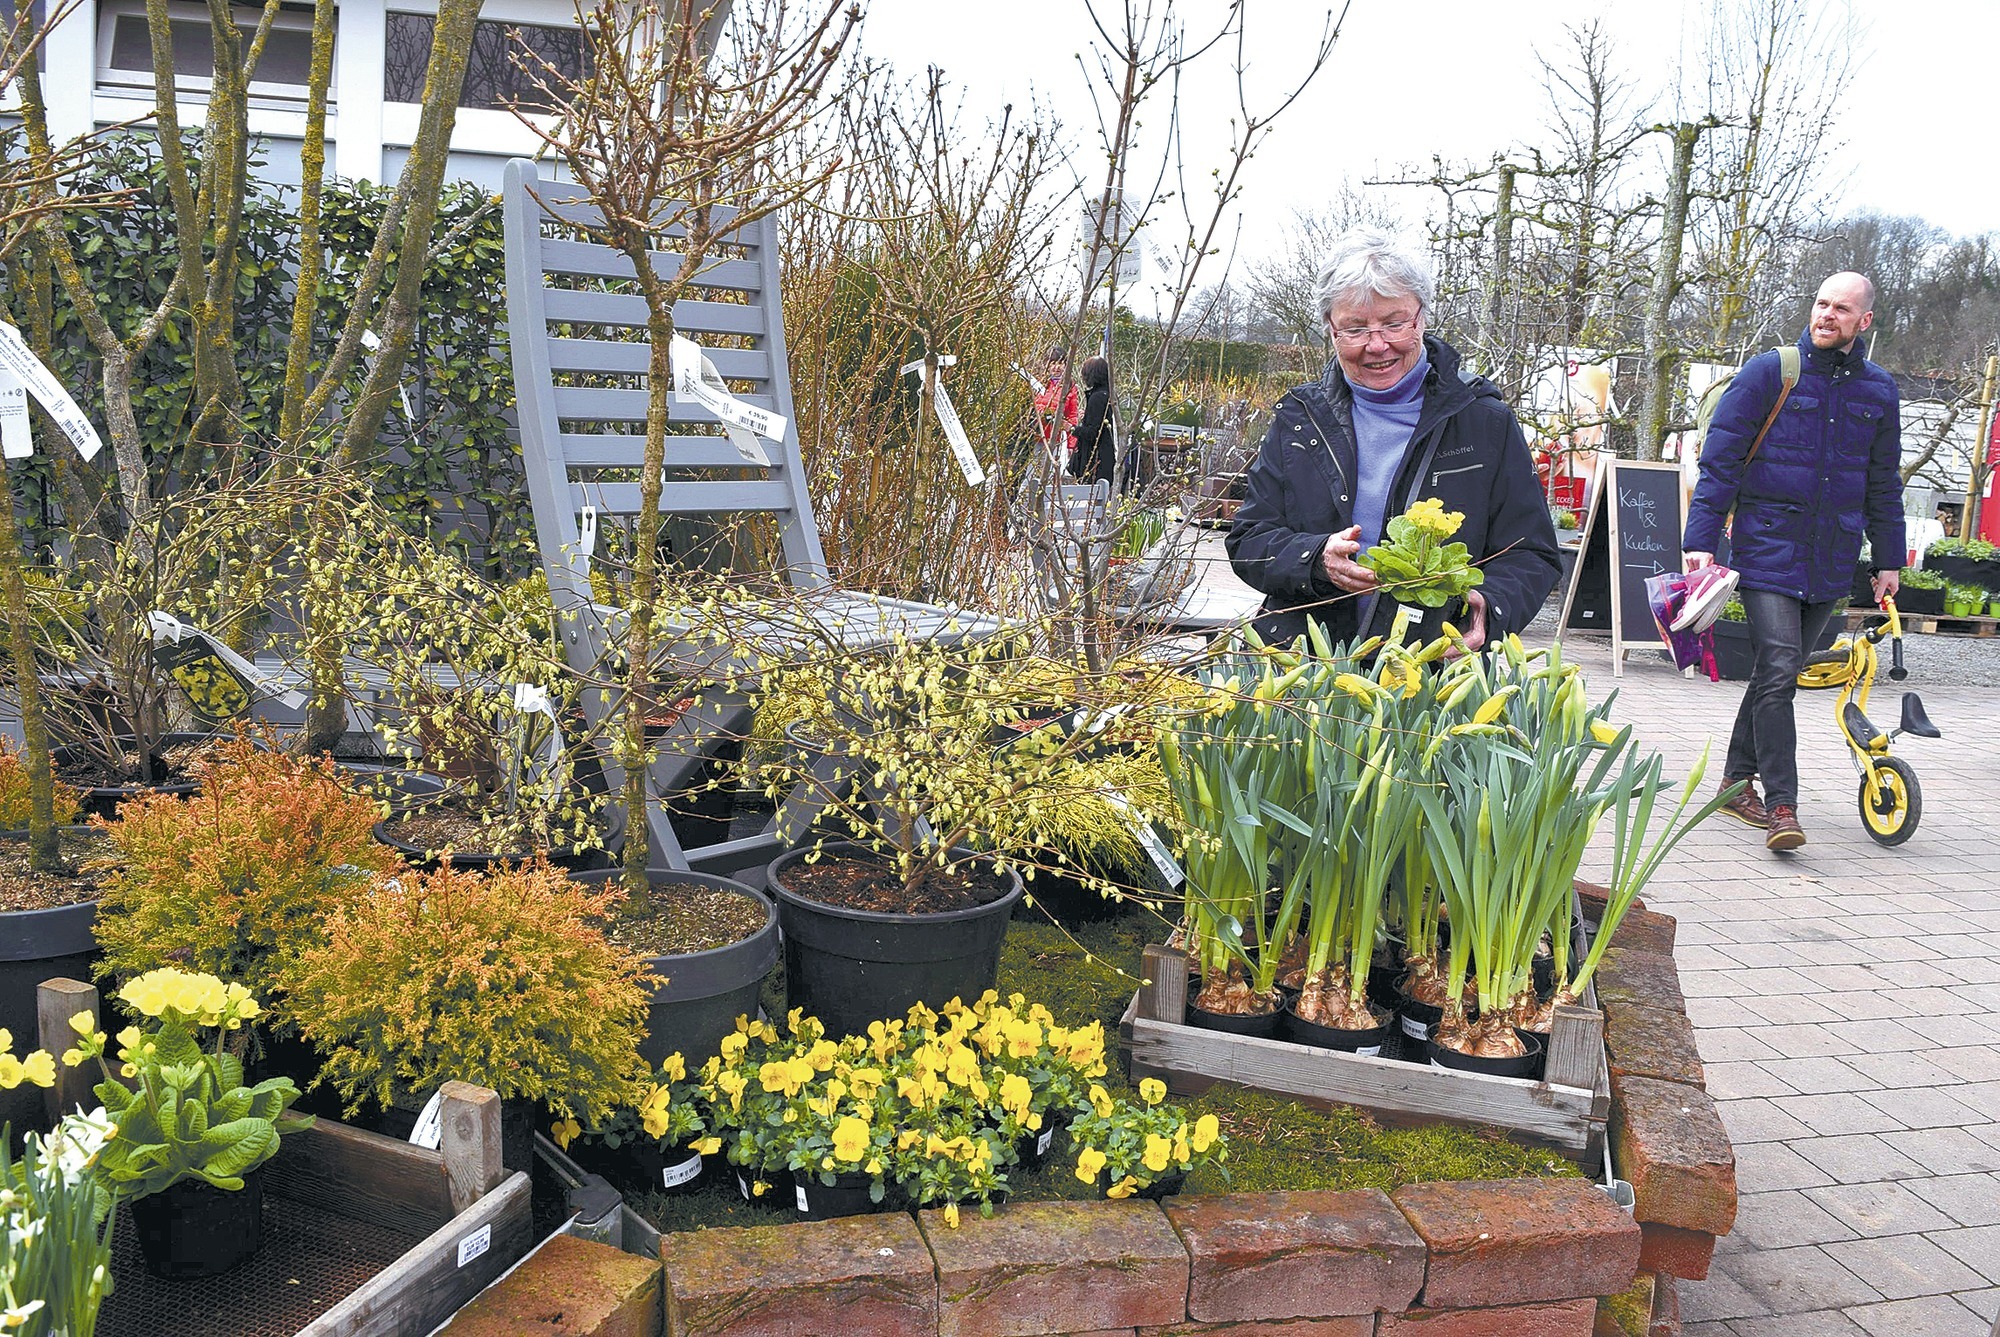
(1891,803)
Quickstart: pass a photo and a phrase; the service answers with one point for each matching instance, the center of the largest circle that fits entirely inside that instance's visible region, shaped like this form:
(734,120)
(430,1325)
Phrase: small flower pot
(192,1229)
(1917,601)
(1523,1066)
(850,1194)
(1166,1186)
(1259,1025)
(773,1198)
(1366,1041)
(1032,1150)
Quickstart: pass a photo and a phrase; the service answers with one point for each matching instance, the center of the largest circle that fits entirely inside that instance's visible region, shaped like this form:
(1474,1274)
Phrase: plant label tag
(17,441)
(673,1176)
(1416,1030)
(1045,1140)
(429,1132)
(954,430)
(475,1244)
(697,381)
(1370,1051)
(48,391)
(800,1189)
(1149,839)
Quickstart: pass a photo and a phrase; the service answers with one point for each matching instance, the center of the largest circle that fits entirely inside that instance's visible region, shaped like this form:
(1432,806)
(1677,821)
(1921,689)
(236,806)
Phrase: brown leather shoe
(1746,807)
(1783,827)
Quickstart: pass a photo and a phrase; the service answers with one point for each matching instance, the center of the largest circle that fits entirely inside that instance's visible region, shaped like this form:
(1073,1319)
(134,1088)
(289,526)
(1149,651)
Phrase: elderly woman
(1396,418)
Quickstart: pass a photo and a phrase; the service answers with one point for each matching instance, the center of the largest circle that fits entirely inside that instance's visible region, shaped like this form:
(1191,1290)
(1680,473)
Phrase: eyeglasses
(1392,332)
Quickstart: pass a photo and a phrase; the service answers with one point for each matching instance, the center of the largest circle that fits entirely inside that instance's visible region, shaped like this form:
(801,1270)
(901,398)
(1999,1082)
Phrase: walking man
(1805,469)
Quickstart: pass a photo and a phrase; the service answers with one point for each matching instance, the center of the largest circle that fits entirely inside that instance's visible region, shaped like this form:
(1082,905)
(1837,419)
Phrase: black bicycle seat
(1914,719)
(1860,727)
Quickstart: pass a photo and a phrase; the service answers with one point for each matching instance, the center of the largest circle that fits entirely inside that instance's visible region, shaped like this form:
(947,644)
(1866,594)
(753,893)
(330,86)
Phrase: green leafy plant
(55,1230)
(238,879)
(1129,1146)
(1145,528)
(1922,579)
(1417,565)
(187,1113)
(503,979)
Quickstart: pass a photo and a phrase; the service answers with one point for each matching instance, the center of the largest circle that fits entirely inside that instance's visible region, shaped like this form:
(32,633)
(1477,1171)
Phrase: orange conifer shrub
(239,877)
(504,979)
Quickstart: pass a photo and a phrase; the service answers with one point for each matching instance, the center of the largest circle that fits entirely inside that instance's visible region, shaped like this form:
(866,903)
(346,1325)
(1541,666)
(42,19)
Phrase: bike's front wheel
(1891,802)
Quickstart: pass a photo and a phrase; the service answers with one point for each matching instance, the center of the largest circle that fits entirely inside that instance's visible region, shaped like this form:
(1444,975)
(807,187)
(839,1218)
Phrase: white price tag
(48,391)
(697,381)
(1149,840)
(801,1189)
(673,1176)
(1416,1030)
(429,1132)
(475,1244)
(17,441)
(954,430)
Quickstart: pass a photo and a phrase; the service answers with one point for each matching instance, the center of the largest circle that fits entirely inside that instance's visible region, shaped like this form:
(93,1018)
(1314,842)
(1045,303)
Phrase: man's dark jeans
(1766,738)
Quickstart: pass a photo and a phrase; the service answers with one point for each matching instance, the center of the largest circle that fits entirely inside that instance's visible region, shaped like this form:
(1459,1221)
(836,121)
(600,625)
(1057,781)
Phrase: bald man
(1828,469)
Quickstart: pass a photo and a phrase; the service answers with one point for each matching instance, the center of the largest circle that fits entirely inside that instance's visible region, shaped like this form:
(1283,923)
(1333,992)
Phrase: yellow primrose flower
(653,1111)
(1089,1164)
(822,1054)
(1158,1149)
(759,1189)
(1152,1090)
(1206,1129)
(83,1023)
(874,1166)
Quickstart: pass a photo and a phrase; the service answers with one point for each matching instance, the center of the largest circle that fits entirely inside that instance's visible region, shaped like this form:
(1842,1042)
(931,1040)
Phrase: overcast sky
(1459,78)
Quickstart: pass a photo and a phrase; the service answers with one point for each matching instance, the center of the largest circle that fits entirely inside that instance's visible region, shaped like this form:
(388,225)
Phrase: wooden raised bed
(365,1236)
(1566,1111)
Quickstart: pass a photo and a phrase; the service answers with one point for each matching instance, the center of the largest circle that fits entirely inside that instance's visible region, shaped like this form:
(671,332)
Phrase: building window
(126,48)
(494,80)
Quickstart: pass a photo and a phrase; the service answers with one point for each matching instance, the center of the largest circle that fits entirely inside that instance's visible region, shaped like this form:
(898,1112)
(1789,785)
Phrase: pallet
(1929,624)
(453,1220)
(1566,1111)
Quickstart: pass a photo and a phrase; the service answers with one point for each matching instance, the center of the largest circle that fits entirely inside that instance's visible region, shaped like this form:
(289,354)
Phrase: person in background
(1397,417)
(1094,449)
(1828,467)
(1053,425)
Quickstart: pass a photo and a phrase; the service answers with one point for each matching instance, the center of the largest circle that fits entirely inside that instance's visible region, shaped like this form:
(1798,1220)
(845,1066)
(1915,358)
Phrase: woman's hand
(1337,561)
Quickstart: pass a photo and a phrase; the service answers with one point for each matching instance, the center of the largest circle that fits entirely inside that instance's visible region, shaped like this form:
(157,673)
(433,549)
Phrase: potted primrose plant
(192,1137)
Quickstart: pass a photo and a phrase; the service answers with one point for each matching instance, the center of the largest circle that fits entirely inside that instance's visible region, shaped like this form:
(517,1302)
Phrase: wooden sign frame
(1604,498)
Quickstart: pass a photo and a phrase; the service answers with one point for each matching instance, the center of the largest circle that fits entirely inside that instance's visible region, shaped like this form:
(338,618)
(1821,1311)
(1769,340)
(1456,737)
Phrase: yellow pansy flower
(1089,1164)
(1152,1090)
(1100,1100)
(1124,1188)
(1206,1129)
(1158,1150)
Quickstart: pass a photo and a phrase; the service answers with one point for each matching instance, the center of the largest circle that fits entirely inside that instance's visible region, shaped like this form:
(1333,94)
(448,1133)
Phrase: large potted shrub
(502,978)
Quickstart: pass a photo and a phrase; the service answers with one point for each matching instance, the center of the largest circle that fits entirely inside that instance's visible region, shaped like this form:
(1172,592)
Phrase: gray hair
(1367,260)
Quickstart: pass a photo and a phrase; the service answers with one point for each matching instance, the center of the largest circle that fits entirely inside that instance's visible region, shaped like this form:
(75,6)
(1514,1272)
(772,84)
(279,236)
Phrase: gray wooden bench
(577,326)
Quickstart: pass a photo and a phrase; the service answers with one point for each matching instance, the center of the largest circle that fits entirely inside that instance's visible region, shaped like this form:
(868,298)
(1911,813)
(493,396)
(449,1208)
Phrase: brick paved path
(1845,999)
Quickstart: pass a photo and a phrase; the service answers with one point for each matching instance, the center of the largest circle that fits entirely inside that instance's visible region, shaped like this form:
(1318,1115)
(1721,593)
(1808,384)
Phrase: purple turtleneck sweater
(1383,422)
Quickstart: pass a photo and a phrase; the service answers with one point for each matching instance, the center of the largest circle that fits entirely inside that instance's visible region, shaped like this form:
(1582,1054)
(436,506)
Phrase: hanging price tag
(1149,839)
(48,392)
(17,442)
(697,381)
(954,430)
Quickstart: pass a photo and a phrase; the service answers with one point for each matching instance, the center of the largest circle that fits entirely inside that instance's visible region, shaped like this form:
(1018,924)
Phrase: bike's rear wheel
(1891,802)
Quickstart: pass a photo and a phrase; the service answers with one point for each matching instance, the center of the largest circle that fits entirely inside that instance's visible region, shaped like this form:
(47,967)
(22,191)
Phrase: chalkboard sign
(1631,532)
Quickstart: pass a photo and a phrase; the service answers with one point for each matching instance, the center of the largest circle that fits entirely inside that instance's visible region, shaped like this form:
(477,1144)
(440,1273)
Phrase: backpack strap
(1788,375)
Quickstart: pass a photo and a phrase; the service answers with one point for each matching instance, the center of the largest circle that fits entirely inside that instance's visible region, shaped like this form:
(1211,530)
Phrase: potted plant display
(191,1136)
(1964,600)
(56,1262)
(657,1143)
(1922,593)
(503,979)
(1143,1148)
(913,908)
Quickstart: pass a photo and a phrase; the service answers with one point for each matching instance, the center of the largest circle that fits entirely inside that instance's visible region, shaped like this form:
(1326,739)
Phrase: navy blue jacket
(1467,451)
(1830,466)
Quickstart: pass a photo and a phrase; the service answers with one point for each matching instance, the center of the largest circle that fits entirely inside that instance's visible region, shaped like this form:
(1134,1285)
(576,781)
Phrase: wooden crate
(463,1218)
(1566,1111)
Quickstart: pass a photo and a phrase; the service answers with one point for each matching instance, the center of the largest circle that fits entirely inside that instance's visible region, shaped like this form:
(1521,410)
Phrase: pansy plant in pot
(1145,1147)
(192,1136)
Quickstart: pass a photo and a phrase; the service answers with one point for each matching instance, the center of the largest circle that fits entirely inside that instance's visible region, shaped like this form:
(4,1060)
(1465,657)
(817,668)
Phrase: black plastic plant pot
(1258,1025)
(705,992)
(36,946)
(851,967)
(1166,1186)
(192,1229)
(777,1194)
(848,1195)
(1543,974)
(1733,656)
(480,861)
(1067,900)
(1414,1017)
(1524,1066)
(645,1165)
(397,788)
(1032,1150)
(1539,1042)
(1367,1041)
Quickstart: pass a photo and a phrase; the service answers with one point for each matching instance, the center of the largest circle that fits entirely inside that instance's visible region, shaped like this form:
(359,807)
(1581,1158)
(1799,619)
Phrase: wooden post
(471,1144)
(1576,1043)
(1975,483)
(56,1001)
(1164,997)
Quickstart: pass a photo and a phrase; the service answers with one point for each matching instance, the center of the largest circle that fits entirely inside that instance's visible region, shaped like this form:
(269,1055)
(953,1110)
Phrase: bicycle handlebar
(1896,670)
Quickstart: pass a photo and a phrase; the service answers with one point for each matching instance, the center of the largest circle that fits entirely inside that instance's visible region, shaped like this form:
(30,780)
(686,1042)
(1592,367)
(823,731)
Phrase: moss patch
(1275,1144)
